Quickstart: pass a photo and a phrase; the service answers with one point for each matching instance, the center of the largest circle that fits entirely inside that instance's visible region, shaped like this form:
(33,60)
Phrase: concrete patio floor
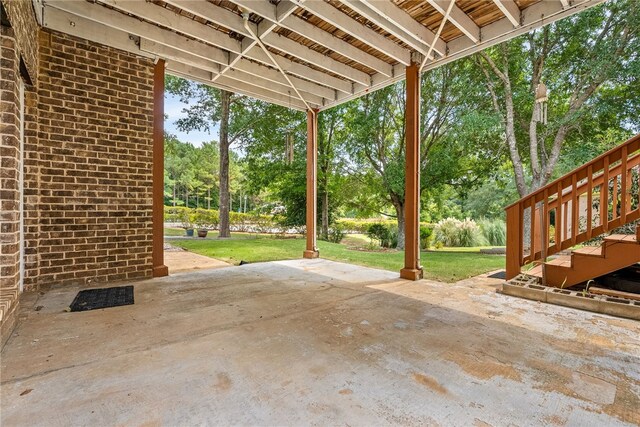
(315,342)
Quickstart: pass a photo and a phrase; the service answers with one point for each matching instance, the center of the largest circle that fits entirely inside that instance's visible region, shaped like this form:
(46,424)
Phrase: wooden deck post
(312,181)
(412,269)
(514,239)
(157,252)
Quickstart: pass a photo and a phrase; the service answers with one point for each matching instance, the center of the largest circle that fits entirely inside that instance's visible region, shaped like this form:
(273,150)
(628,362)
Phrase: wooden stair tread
(622,238)
(589,250)
(561,261)
(535,271)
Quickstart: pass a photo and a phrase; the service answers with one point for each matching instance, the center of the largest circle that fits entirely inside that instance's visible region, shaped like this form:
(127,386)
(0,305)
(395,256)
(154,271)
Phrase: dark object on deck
(499,275)
(243,262)
(93,299)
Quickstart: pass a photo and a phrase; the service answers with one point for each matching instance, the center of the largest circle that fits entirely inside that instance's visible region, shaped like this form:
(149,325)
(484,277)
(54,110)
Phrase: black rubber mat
(93,299)
(499,275)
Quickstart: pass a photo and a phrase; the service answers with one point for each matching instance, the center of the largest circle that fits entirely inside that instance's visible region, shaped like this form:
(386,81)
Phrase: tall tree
(331,136)
(376,124)
(579,59)
(208,107)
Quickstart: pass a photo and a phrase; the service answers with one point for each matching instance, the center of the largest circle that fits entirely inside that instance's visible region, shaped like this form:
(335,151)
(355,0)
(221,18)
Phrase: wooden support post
(514,241)
(412,269)
(312,182)
(157,252)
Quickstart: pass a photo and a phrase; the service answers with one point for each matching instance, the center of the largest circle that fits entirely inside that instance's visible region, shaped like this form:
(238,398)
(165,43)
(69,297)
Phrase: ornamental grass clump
(452,232)
(494,231)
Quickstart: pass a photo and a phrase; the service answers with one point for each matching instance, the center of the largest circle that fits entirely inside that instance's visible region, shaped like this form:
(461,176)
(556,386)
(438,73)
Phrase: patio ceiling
(325,52)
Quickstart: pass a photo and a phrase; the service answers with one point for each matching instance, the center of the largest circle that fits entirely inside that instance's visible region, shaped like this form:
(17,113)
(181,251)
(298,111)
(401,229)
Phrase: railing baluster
(544,244)
(575,209)
(604,196)
(559,218)
(623,184)
(614,197)
(565,226)
(532,235)
(589,201)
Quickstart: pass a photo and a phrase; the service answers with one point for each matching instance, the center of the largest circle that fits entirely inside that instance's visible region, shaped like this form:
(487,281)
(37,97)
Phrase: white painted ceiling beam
(317,35)
(195,61)
(167,18)
(152,32)
(244,88)
(319,60)
(74,25)
(242,65)
(535,16)
(302,71)
(510,9)
(458,18)
(274,17)
(234,22)
(284,89)
(396,21)
(114,19)
(350,26)
(276,77)
(78,26)
(251,43)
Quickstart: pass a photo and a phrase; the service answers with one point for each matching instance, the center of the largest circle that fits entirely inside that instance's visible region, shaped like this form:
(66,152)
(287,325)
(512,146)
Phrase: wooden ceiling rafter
(327,51)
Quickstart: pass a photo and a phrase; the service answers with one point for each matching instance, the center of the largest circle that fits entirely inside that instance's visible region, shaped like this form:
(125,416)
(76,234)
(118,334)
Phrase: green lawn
(443,266)
(174,231)
(213,234)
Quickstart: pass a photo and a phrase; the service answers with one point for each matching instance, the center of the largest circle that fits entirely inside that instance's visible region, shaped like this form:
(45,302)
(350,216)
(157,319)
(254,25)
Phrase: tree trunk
(399,207)
(208,198)
(325,214)
(225,98)
(174,194)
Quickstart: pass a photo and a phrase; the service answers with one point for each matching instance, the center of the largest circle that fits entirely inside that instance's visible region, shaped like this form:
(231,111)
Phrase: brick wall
(88,145)
(23,21)
(9,177)
(90,179)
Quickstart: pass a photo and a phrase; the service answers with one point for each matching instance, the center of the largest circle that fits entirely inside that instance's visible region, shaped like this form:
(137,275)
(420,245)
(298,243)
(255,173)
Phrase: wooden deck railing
(591,200)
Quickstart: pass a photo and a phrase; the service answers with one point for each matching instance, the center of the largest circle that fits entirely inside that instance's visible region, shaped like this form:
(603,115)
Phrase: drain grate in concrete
(93,299)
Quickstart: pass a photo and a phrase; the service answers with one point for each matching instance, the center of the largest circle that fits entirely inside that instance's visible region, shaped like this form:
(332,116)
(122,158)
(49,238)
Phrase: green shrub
(336,233)
(205,218)
(452,232)
(352,225)
(494,231)
(380,232)
(393,231)
(426,232)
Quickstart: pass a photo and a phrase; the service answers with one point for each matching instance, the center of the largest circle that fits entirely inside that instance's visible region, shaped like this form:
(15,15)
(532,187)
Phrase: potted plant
(186,218)
(202,221)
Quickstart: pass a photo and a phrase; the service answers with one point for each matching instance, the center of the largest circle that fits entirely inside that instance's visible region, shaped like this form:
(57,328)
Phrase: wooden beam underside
(212,44)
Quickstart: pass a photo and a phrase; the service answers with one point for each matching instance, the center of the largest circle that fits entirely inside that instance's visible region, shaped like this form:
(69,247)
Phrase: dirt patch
(555,420)
(429,382)
(223,381)
(482,367)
